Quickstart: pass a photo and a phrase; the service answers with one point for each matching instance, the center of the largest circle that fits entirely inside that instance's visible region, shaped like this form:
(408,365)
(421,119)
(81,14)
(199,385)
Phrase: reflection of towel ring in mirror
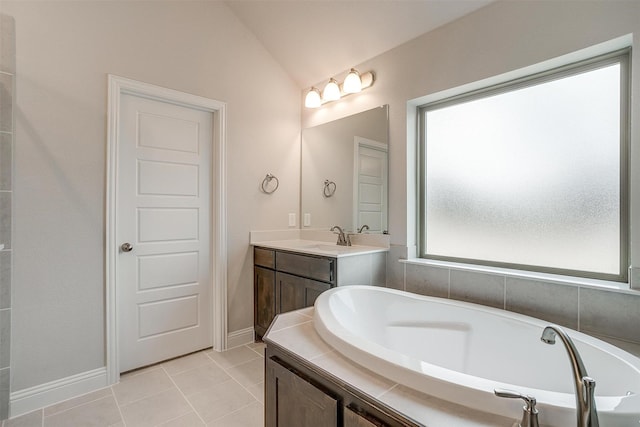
(329,188)
(266,181)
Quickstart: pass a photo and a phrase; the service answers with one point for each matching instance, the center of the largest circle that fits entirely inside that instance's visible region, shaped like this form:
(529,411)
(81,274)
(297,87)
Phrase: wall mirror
(345,172)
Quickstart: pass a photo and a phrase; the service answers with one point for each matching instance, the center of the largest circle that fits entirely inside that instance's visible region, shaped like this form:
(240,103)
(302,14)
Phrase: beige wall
(64,52)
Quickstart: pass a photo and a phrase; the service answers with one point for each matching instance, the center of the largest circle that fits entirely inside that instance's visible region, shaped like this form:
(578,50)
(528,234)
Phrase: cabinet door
(293,401)
(312,290)
(264,283)
(296,292)
(290,292)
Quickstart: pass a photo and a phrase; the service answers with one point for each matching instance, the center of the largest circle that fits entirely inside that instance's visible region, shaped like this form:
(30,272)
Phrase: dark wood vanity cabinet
(285,281)
(298,396)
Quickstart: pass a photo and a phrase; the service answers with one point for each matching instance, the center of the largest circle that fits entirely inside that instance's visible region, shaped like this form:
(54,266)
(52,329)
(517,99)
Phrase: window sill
(523,274)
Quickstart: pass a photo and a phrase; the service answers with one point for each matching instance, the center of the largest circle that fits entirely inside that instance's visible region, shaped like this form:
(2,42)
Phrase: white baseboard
(43,395)
(241,337)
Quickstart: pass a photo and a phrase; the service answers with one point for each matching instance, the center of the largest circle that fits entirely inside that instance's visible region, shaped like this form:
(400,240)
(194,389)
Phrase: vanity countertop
(294,332)
(323,248)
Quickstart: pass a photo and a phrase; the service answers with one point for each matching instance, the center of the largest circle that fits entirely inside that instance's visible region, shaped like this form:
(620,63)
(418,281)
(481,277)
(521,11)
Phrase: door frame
(117,86)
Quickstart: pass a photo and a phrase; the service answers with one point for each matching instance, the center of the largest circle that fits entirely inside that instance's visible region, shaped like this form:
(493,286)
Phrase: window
(531,174)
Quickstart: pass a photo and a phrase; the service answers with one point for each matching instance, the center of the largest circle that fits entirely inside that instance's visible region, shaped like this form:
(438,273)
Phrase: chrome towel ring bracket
(329,188)
(266,185)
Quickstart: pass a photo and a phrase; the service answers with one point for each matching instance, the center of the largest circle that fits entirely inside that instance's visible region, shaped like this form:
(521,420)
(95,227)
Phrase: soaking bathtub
(461,352)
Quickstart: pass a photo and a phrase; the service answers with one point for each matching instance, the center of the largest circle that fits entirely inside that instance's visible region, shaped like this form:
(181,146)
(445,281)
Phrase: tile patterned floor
(201,389)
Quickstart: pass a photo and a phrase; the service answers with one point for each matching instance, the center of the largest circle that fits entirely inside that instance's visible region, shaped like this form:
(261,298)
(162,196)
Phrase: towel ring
(329,188)
(266,181)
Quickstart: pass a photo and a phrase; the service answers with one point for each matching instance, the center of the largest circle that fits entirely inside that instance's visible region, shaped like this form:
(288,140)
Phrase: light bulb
(312,100)
(352,84)
(331,91)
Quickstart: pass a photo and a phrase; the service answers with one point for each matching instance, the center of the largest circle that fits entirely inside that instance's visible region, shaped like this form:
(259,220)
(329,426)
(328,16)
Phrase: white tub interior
(461,352)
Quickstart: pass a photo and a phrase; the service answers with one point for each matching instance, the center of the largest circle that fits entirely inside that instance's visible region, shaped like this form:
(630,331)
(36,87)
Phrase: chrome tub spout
(587,415)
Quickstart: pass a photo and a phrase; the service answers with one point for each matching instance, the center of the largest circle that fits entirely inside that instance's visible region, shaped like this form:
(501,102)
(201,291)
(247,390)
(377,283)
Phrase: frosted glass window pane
(530,176)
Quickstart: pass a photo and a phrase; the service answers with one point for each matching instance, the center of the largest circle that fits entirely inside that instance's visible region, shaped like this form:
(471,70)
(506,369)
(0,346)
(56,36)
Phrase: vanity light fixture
(353,83)
(313,100)
(331,91)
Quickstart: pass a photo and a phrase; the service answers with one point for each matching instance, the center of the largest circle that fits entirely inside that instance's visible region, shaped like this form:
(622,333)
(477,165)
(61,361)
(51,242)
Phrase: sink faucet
(343,239)
(364,227)
(585,385)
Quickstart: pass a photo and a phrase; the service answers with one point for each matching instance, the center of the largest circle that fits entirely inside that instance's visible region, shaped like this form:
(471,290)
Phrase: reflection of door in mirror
(370,184)
(329,153)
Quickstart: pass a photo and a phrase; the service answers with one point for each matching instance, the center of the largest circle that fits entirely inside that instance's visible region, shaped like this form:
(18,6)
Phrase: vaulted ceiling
(317,39)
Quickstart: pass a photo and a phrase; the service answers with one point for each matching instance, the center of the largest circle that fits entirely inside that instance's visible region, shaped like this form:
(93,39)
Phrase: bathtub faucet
(585,385)
(529,414)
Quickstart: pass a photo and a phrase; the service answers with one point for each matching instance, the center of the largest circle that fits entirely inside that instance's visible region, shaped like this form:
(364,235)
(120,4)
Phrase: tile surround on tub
(7,44)
(612,314)
(395,269)
(607,312)
(5,335)
(6,159)
(5,279)
(5,219)
(481,288)
(427,280)
(5,375)
(368,269)
(6,102)
(546,301)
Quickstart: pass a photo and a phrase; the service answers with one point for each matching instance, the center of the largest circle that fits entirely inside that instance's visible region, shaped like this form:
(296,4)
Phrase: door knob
(126,247)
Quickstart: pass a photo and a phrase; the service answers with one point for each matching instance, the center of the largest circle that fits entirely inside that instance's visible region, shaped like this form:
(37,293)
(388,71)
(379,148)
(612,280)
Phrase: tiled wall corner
(395,269)
(7,85)
(354,270)
(368,269)
(379,269)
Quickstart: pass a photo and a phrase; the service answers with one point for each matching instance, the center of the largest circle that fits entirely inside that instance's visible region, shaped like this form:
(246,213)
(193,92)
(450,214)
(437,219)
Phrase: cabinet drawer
(264,257)
(316,268)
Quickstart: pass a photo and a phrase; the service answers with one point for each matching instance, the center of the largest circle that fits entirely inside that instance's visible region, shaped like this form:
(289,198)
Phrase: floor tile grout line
(155,393)
(242,408)
(235,366)
(113,394)
(204,352)
(44,417)
(184,396)
(75,406)
(241,385)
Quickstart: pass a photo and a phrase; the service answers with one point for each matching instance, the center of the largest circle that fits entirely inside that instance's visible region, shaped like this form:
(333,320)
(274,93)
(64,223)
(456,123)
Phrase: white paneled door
(164,230)
(370,189)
